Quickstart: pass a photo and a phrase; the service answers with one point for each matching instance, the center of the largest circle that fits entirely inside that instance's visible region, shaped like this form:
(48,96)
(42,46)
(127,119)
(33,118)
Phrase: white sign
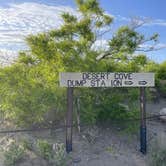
(105,79)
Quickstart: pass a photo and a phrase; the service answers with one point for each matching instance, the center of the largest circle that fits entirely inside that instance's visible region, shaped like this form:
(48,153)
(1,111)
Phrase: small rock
(162,114)
(77,160)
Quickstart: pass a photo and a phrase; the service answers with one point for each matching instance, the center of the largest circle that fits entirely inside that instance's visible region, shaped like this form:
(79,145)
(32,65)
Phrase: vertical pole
(78,114)
(69,119)
(143,120)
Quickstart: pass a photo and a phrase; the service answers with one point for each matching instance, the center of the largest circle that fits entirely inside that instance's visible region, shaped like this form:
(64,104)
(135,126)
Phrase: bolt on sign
(106,79)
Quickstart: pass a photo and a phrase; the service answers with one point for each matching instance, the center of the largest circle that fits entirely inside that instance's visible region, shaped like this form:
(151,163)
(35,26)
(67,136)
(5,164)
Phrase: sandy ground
(99,146)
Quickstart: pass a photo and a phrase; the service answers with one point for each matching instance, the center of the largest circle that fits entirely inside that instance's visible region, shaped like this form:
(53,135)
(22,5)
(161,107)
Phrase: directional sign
(106,79)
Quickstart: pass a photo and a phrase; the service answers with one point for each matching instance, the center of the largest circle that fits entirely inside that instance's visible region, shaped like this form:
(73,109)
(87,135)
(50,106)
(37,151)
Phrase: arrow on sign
(142,82)
(128,82)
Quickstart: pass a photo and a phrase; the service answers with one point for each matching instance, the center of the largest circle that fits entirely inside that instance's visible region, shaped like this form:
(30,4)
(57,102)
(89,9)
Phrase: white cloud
(19,20)
(156,46)
(121,18)
(158,22)
(161,45)
(7,56)
(100,44)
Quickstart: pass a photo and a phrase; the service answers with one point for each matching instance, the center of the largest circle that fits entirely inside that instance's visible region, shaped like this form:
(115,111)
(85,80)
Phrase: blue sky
(152,9)
(18,18)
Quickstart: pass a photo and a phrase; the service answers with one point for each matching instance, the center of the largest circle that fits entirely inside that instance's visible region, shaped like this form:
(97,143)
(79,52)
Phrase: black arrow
(128,82)
(142,82)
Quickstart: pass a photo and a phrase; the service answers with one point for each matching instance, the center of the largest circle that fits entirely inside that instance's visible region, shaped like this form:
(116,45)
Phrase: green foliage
(159,158)
(151,66)
(157,154)
(88,106)
(45,149)
(13,154)
(27,144)
(111,109)
(160,77)
(140,60)
(106,105)
(111,150)
(162,87)
(89,6)
(59,157)
(162,71)
(29,88)
(28,92)
(55,156)
(69,18)
(125,40)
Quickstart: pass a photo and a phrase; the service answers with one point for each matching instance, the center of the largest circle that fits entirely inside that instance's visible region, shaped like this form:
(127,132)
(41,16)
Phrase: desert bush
(44,149)
(27,144)
(27,93)
(161,72)
(162,87)
(157,152)
(113,107)
(159,158)
(53,153)
(161,78)
(29,87)
(59,155)
(13,154)
(108,104)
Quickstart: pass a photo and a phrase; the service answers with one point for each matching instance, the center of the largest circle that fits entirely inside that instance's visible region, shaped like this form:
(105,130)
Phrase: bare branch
(150,49)
(137,22)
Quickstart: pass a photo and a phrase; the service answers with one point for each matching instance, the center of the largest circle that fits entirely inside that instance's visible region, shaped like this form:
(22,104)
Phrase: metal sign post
(143,141)
(69,119)
(106,79)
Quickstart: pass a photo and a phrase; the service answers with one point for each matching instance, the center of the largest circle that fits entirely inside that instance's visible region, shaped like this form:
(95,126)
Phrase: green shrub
(99,105)
(113,110)
(13,154)
(159,158)
(59,155)
(162,71)
(157,152)
(162,87)
(27,93)
(54,155)
(45,149)
(27,144)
